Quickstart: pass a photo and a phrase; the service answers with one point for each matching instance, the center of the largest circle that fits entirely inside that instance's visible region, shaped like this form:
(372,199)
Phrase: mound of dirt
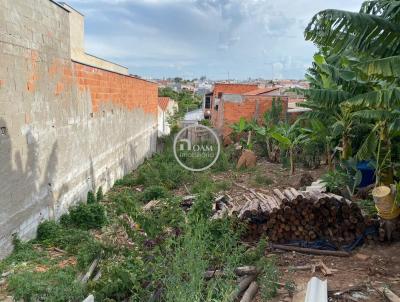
(247,160)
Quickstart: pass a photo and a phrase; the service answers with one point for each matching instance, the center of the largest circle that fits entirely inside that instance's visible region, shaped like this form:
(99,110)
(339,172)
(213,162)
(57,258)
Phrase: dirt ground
(369,267)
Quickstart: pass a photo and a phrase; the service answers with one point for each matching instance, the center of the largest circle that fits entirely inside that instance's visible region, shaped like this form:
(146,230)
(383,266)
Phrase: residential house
(167,107)
(238,100)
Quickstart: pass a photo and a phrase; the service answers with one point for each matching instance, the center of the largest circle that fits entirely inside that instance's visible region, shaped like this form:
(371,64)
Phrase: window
(207,104)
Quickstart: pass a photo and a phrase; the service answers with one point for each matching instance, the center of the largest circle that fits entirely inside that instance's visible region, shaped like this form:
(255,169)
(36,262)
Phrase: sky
(219,39)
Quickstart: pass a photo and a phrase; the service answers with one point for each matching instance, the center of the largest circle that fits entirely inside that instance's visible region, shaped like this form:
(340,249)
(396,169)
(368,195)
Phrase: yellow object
(384,203)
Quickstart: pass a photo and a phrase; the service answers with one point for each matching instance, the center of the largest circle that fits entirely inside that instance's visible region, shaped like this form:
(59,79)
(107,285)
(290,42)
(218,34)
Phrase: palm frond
(385,98)
(368,147)
(383,68)
(363,32)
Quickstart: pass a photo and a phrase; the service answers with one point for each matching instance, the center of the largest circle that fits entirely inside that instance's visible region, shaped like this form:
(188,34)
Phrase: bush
(48,231)
(99,195)
(126,181)
(336,181)
(85,216)
(90,198)
(154,192)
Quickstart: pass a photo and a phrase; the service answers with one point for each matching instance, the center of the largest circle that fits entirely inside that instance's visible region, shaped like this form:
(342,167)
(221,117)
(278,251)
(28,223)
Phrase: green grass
(259,179)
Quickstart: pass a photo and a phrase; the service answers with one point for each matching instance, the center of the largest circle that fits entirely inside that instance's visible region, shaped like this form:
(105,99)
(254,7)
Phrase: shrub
(154,192)
(85,216)
(99,195)
(48,230)
(127,181)
(90,198)
(335,181)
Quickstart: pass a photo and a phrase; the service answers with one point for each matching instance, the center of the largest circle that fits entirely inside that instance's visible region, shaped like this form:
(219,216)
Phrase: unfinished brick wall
(221,88)
(65,127)
(120,90)
(252,107)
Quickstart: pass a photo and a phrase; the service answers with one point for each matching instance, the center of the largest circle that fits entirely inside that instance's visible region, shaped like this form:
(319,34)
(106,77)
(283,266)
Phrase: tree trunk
(249,140)
(346,152)
(291,161)
(329,157)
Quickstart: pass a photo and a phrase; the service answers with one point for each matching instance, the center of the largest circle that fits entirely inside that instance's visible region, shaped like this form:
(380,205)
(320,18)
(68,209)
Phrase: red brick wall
(107,86)
(233,88)
(232,112)
(227,88)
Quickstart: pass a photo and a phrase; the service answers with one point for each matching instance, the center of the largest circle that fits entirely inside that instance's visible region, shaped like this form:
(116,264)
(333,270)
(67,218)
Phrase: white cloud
(182,37)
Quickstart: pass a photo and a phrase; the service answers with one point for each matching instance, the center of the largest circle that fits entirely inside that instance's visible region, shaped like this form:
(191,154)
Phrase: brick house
(230,102)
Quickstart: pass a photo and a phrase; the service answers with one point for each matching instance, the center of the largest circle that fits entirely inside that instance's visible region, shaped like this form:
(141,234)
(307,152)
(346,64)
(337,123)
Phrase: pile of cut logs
(296,215)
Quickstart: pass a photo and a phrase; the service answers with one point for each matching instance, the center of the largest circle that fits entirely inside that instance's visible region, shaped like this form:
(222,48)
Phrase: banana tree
(289,137)
(244,126)
(321,133)
(382,109)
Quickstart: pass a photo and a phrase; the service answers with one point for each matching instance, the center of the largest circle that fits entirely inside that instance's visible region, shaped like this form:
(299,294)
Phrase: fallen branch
(388,294)
(242,286)
(340,292)
(89,273)
(214,273)
(246,270)
(310,251)
(250,292)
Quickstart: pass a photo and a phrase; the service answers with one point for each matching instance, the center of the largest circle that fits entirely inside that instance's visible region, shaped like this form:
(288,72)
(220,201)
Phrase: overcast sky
(216,38)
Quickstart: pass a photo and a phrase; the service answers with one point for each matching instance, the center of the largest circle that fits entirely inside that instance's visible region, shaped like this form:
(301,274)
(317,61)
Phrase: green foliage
(72,240)
(268,279)
(355,80)
(186,100)
(55,285)
(206,123)
(275,114)
(368,206)
(335,180)
(121,280)
(99,194)
(48,230)
(23,252)
(162,170)
(154,192)
(85,216)
(127,181)
(90,198)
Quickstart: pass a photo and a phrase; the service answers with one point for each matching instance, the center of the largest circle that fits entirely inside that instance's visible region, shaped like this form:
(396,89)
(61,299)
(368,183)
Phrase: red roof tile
(260,91)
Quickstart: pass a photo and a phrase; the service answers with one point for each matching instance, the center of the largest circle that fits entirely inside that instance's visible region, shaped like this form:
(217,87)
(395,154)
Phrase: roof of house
(260,91)
(163,102)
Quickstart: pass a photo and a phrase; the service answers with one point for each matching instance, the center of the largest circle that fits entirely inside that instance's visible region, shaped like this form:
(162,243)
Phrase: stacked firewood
(296,215)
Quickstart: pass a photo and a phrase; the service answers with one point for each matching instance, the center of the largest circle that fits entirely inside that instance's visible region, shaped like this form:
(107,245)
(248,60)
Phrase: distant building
(167,107)
(227,103)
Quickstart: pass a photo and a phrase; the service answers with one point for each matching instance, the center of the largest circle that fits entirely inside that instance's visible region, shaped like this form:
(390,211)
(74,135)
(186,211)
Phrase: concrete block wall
(65,127)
